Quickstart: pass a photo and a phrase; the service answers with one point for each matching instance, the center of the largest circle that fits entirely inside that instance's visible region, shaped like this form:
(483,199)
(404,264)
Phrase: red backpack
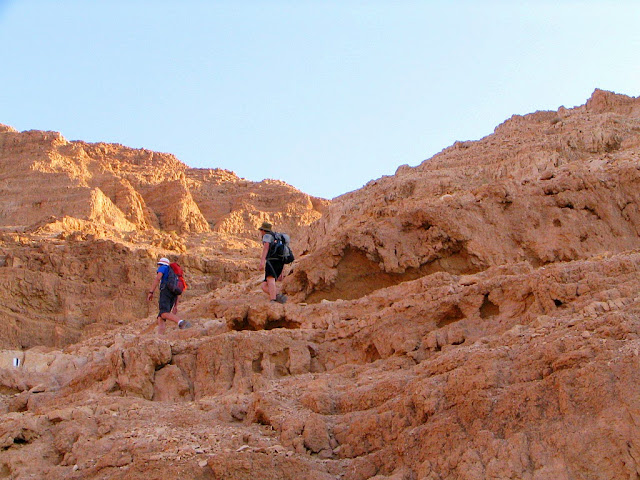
(175,280)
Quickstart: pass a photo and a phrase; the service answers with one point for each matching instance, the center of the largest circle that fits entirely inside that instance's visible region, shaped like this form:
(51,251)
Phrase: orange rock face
(46,176)
(544,188)
(82,223)
(474,317)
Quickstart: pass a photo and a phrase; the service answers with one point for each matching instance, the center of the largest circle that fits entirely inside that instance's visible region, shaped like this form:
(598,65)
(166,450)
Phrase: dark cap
(266,226)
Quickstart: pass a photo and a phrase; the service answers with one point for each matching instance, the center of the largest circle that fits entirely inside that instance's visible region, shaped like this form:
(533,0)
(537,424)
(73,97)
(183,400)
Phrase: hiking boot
(182,324)
(281,298)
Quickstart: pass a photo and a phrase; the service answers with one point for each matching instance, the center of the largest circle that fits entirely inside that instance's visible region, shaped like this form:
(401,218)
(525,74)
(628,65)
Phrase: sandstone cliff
(83,221)
(475,317)
(43,175)
(544,188)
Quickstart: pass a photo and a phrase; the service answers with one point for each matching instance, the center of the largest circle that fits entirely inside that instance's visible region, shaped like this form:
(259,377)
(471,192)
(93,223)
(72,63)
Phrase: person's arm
(155,283)
(263,258)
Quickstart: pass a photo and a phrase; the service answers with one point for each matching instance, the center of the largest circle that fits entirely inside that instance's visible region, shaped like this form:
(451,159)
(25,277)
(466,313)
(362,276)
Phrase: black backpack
(280,249)
(175,281)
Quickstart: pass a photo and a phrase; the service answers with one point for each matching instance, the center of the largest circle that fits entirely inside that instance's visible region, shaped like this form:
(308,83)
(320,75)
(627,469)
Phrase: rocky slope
(82,221)
(475,317)
(544,188)
(44,175)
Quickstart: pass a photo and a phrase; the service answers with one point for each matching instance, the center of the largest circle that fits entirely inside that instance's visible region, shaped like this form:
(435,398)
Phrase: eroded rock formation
(82,222)
(475,317)
(44,175)
(544,188)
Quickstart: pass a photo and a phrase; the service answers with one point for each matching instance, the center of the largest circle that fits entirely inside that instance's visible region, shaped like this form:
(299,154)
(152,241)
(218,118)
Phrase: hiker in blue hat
(167,301)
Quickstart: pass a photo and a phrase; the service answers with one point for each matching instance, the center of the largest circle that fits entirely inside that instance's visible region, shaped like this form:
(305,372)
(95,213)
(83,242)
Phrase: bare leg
(269,287)
(170,316)
(161,326)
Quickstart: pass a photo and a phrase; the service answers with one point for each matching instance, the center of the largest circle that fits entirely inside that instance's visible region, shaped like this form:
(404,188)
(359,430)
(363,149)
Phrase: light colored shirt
(268,238)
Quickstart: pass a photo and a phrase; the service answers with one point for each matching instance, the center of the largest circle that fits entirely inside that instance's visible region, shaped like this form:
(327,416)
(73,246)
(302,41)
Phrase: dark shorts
(273,268)
(166,301)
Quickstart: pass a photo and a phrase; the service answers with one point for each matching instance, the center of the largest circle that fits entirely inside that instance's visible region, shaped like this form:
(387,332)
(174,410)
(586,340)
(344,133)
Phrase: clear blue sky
(325,95)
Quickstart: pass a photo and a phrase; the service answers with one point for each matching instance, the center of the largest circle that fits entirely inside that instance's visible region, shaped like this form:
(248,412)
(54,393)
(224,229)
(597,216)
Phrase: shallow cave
(359,276)
(282,322)
(451,315)
(488,309)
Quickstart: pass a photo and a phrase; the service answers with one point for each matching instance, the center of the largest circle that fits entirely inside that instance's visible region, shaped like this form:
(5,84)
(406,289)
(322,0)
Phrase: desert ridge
(474,317)
(80,223)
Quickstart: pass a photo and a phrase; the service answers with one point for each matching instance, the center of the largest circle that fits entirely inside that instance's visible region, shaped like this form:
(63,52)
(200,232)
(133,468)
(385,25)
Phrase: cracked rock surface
(474,317)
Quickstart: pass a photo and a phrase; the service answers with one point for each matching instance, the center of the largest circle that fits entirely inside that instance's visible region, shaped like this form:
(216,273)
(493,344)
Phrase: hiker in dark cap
(272,267)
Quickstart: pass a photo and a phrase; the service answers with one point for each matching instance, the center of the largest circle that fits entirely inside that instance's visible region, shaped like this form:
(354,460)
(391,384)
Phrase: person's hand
(280,277)
(174,310)
(149,296)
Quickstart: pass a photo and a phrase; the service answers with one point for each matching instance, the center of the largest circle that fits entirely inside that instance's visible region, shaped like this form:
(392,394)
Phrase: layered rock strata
(545,187)
(475,317)
(84,223)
